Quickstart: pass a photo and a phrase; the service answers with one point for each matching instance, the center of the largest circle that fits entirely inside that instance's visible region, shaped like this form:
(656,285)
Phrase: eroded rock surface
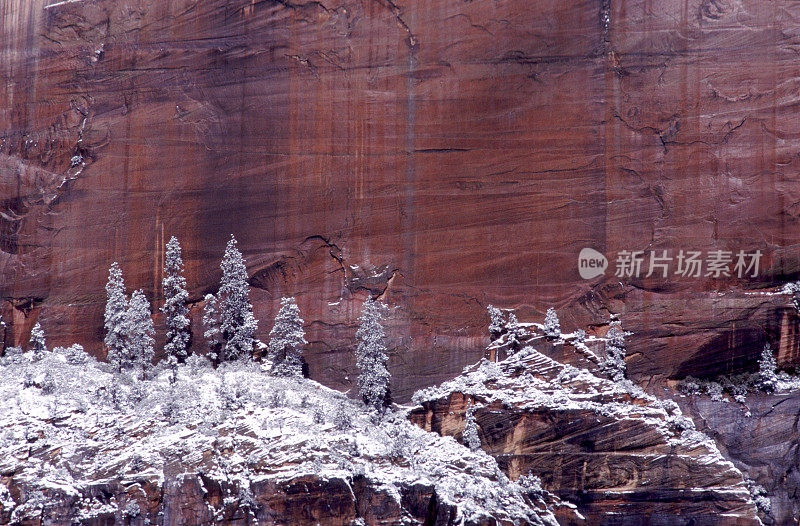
(760,437)
(443,156)
(80,444)
(621,455)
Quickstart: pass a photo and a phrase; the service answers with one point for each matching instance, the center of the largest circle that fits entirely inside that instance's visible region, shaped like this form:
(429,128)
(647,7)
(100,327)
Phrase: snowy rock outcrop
(622,456)
(81,444)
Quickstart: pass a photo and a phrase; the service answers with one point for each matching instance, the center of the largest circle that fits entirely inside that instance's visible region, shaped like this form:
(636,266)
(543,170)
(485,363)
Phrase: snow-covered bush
(736,385)
(48,383)
(696,386)
(342,418)
(760,496)
(176,312)
(506,329)
(793,289)
(371,357)
(532,484)
(551,327)
(401,446)
(277,399)
(568,374)
(286,341)
(11,352)
(614,362)
(74,354)
(765,380)
(37,345)
(115,316)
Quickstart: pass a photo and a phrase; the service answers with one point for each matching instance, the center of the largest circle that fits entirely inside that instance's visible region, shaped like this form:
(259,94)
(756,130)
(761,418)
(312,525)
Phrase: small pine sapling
(213,326)
(286,340)
(37,344)
(551,327)
(767,378)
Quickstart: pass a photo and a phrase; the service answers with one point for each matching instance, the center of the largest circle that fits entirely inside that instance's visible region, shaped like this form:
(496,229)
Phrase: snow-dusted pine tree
(496,321)
(515,333)
(238,323)
(37,344)
(471,438)
(286,340)
(767,379)
(116,312)
(140,332)
(176,312)
(552,327)
(371,357)
(614,362)
(213,325)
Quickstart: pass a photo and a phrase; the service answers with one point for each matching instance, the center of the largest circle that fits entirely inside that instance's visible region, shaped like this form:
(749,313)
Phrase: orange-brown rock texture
(623,457)
(443,155)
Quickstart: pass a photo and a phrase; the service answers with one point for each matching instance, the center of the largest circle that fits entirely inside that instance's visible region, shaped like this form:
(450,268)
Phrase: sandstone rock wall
(441,154)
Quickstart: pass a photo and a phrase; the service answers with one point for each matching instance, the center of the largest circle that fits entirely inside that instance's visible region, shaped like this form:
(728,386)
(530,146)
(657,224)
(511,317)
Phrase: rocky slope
(444,155)
(760,437)
(622,456)
(83,445)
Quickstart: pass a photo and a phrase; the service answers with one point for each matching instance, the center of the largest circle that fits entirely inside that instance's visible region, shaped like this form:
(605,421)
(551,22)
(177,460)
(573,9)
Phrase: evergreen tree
(371,357)
(496,321)
(552,327)
(176,312)
(140,332)
(767,378)
(470,437)
(37,344)
(515,333)
(213,325)
(286,340)
(238,325)
(115,316)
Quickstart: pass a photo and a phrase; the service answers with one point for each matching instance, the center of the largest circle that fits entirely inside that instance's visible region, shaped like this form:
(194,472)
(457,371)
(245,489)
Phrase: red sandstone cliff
(445,155)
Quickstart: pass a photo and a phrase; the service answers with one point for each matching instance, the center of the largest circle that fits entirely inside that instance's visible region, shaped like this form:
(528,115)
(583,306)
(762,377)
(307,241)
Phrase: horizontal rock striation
(442,156)
(620,455)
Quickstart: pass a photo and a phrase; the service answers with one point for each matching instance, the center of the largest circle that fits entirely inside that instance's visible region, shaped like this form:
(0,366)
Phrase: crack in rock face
(124,124)
(441,157)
